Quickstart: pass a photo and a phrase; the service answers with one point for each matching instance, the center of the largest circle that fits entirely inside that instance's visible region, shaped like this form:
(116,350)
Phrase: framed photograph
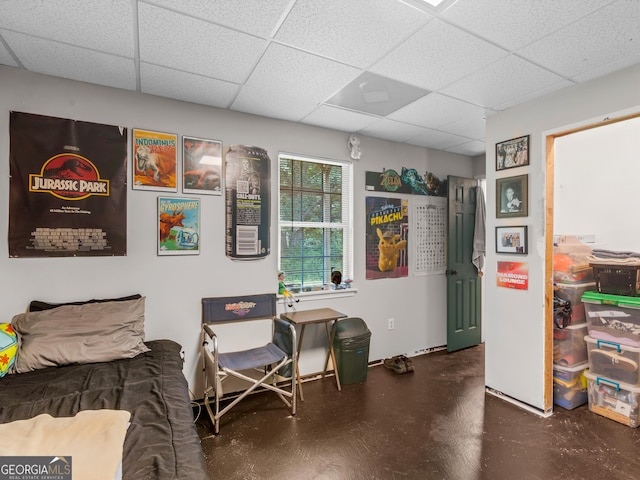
(512,153)
(178,226)
(201,166)
(155,160)
(512,197)
(512,240)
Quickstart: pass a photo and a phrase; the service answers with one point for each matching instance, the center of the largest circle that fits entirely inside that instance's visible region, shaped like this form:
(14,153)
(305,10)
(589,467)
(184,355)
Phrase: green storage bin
(351,347)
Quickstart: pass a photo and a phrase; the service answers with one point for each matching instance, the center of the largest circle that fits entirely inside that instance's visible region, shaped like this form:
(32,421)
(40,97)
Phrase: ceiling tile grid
(290,59)
(185,43)
(256,17)
(590,41)
(62,60)
(94,24)
(189,87)
(356,32)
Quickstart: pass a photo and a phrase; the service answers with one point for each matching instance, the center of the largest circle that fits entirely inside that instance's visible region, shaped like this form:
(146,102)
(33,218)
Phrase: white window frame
(346,223)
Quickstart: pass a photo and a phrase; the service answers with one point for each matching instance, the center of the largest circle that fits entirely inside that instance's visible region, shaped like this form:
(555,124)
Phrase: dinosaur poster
(387,236)
(155,160)
(178,226)
(68,187)
(201,166)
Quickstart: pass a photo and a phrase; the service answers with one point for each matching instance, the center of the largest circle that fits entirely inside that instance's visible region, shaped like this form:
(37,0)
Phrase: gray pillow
(89,333)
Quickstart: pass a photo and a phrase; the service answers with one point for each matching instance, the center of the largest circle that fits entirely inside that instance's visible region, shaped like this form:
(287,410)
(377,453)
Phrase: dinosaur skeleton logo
(70,177)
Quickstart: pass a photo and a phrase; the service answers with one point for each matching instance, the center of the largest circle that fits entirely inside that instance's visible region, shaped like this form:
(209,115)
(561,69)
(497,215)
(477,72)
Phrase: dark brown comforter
(161,442)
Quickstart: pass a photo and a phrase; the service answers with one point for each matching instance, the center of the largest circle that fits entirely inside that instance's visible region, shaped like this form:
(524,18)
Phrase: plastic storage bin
(614,400)
(617,279)
(351,346)
(573,292)
(569,347)
(613,317)
(614,361)
(571,268)
(570,386)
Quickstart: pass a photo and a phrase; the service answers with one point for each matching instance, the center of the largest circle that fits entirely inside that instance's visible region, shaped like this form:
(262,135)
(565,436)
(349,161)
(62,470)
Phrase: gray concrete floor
(435,423)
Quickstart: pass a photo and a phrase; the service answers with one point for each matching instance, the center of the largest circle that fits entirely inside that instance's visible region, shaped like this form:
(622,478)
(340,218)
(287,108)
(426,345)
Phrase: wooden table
(317,315)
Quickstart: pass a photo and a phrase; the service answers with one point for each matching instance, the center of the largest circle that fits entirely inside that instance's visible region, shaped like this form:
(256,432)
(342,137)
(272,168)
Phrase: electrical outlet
(392,323)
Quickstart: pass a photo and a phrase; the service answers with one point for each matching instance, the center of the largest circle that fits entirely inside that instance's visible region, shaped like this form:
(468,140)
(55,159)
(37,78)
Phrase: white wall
(595,187)
(173,307)
(515,323)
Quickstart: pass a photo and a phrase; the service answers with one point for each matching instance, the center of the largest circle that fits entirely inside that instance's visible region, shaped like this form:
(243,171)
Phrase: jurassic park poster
(387,236)
(67,188)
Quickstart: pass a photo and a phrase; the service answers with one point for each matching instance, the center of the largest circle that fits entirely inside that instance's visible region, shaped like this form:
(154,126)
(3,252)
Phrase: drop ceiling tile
(66,61)
(356,32)
(470,149)
(509,79)
(394,131)
(5,57)
(515,23)
(611,32)
(103,26)
(339,119)
(436,56)
(438,140)
(184,43)
(554,87)
(273,103)
(188,87)
(253,16)
(292,77)
(473,126)
(435,110)
(606,68)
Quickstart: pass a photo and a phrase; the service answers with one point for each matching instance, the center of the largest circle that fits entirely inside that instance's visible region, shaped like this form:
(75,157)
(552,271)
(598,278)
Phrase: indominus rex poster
(68,189)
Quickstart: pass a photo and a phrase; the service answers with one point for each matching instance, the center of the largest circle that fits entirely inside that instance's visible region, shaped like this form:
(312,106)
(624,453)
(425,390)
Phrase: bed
(161,441)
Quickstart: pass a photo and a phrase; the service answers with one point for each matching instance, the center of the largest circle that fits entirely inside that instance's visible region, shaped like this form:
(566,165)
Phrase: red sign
(513,275)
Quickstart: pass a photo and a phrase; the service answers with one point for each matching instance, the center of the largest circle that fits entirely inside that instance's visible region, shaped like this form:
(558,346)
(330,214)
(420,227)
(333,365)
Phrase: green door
(463,283)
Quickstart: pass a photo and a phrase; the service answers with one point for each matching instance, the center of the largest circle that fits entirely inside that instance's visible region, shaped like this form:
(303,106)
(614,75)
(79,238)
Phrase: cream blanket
(93,439)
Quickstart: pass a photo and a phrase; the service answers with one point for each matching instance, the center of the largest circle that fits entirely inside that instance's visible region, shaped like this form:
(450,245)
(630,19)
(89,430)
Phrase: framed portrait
(512,197)
(201,166)
(155,160)
(512,153)
(512,240)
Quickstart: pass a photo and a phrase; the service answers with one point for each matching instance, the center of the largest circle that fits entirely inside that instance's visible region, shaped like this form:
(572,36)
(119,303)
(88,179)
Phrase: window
(315,221)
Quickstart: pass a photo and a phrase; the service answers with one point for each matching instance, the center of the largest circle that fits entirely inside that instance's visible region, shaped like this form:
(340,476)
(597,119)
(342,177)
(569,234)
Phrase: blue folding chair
(276,360)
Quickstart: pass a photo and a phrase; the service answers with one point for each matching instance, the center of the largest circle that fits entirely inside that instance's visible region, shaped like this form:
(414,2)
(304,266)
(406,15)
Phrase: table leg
(297,363)
(331,353)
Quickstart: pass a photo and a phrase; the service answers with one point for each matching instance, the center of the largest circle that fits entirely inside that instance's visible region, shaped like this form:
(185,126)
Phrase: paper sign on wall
(513,275)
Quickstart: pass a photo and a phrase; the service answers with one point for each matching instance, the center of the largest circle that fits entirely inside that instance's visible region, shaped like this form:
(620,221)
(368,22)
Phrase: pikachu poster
(387,237)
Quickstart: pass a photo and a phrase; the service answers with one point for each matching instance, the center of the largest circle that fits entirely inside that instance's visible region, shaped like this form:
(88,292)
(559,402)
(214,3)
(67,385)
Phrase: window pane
(313,271)
(336,208)
(335,179)
(313,242)
(336,237)
(286,206)
(312,207)
(291,242)
(312,178)
(286,174)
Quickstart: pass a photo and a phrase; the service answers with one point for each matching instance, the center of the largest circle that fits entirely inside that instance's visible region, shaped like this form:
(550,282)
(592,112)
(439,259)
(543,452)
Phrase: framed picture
(512,240)
(512,153)
(512,197)
(201,166)
(155,160)
(178,226)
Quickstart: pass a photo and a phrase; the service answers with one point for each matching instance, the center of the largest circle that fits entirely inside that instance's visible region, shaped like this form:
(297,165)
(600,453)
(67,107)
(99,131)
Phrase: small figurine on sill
(284,291)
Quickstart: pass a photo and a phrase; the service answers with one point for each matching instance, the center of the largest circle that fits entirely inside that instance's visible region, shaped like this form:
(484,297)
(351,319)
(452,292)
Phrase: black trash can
(351,346)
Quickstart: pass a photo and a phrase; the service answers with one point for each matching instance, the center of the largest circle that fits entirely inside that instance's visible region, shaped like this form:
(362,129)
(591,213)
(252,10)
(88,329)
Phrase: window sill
(315,295)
